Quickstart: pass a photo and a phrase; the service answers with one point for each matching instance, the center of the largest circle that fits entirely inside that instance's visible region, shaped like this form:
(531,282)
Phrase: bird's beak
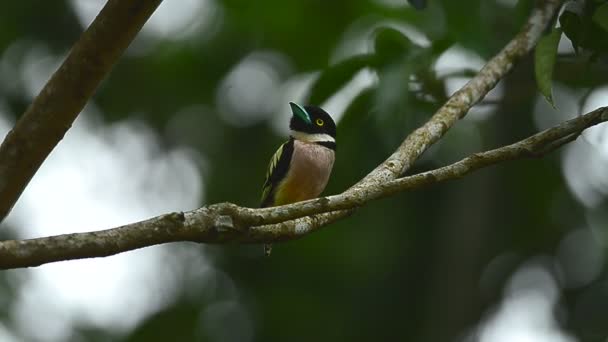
(300,112)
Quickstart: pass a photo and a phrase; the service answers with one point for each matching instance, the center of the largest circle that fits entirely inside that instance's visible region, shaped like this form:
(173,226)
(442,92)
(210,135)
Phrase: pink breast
(308,174)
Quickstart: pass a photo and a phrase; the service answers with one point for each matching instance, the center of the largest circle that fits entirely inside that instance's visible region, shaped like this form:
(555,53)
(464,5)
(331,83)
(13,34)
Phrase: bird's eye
(320,122)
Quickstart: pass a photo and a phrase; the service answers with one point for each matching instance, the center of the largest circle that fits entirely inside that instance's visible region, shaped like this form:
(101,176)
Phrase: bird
(300,168)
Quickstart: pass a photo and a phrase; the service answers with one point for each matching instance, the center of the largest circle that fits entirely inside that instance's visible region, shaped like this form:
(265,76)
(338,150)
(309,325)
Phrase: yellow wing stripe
(274,161)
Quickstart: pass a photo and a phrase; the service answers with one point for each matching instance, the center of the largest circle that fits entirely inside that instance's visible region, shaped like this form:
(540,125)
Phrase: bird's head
(311,124)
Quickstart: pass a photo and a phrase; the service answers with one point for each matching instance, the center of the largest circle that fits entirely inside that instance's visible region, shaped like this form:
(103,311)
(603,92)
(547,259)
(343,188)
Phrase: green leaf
(390,44)
(544,61)
(439,46)
(418,4)
(336,76)
(572,26)
(392,101)
(600,16)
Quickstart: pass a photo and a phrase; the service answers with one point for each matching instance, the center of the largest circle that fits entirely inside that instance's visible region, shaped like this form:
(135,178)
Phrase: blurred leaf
(572,26)
(358,117)
(336,76)
(439,46)
(417,4)
(524,7)
(390,44)
(544,62)
(585,30)
(392,102)
(431,21)
(183,317)
(469,25)
(600,16)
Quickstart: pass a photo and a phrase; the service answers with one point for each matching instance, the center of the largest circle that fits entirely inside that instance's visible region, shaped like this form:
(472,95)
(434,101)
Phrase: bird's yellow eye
(320,122)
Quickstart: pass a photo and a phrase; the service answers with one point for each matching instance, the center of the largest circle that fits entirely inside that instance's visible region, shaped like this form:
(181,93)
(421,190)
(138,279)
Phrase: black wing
(279,164)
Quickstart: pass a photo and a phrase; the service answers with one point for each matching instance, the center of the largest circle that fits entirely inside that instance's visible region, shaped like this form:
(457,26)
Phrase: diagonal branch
(226,222)
(454,109)
(53,111)
(534,146)
(459,104)
(221,223)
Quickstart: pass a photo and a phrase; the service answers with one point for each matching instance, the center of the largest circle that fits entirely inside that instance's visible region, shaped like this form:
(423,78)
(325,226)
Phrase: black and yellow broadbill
(300,168)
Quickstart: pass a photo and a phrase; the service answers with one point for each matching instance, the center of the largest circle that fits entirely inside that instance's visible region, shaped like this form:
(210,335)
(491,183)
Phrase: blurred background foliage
(516,252)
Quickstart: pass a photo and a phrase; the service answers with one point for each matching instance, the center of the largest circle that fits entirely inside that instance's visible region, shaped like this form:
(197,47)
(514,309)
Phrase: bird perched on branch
(300,168)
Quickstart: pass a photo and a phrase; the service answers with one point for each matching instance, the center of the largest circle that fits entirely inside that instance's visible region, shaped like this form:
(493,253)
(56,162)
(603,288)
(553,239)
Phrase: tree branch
(53,111)
(454,109)
(226,222)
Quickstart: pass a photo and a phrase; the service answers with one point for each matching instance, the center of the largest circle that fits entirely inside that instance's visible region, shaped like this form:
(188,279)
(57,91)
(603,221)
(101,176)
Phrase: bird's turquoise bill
(300,112)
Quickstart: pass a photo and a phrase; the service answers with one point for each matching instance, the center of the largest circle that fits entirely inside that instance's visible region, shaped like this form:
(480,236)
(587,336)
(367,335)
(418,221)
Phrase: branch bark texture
(226,222)
(457,106)
(53,111)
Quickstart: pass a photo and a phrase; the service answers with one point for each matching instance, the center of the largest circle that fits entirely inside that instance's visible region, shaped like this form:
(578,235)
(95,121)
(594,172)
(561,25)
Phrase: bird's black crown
(321,122)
